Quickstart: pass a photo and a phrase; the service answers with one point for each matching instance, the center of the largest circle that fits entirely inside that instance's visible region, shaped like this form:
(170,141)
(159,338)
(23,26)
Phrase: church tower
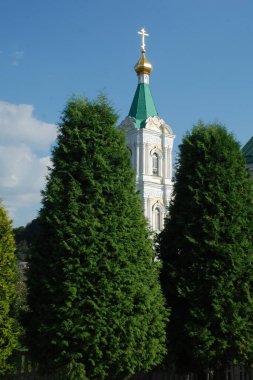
(150,141)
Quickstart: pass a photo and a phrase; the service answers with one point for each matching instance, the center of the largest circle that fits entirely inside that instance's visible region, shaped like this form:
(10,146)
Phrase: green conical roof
(248,151)
(143,105)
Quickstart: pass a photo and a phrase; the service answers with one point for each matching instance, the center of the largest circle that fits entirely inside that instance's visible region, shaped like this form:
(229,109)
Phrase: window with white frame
(155,164)
(157,219)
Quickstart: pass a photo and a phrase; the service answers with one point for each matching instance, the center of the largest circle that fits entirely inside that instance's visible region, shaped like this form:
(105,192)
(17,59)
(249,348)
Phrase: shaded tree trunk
(219,373)
(201,375)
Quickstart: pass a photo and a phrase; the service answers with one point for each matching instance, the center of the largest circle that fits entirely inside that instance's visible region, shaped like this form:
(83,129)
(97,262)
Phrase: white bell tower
(150,141)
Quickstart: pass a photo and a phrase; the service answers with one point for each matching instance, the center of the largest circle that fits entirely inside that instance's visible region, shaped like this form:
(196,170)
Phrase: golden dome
(143,66)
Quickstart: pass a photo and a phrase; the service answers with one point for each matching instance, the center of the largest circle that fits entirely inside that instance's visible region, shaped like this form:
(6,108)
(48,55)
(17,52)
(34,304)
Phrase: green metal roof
(143,105)
(248,151)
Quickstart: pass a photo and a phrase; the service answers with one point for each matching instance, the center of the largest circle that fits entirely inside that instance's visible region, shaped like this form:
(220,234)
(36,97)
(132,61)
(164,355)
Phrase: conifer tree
(97,311)
(207,254)
(8,325)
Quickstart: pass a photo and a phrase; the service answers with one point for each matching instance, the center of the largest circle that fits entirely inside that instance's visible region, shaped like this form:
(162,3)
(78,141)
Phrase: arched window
(157,219)
(155,164)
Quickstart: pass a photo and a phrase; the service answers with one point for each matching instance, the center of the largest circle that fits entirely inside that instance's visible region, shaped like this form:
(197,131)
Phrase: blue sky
(201,51)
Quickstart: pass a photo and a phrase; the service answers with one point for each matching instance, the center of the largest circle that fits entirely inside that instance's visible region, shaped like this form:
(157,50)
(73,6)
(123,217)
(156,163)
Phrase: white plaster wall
(156,137)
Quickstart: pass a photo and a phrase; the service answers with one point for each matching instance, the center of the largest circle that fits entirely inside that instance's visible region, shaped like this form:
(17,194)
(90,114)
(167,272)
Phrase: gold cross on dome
(143,34)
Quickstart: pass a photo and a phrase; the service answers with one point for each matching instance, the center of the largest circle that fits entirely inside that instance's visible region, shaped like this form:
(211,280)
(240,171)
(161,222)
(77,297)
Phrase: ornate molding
(160,205)
(158,124)
(151,139)
(153,193)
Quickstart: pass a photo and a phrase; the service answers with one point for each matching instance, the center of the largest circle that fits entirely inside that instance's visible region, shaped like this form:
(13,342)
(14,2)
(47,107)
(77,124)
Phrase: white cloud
(22,170)
(18,125)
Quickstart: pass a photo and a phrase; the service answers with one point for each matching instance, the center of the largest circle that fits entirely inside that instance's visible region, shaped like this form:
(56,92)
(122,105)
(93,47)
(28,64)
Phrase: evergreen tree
(97,310)
(8,325)
(207,252)
(24,237)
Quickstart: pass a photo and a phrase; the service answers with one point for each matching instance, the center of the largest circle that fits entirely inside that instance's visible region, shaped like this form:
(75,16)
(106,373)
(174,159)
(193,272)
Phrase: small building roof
(143,105)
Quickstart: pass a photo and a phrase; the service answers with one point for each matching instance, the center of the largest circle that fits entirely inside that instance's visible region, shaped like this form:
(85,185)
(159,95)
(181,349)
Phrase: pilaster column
(133,158)
(162,221)
(165,164)
(137,159)
(142,158)
(169,158)
(165,195)
(147,158)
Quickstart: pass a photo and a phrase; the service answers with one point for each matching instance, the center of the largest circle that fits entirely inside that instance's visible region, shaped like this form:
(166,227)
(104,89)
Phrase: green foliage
(24,237)
(20,306)
(8,326)
(27,233)
(71,371)
(95,297)
(207,253)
